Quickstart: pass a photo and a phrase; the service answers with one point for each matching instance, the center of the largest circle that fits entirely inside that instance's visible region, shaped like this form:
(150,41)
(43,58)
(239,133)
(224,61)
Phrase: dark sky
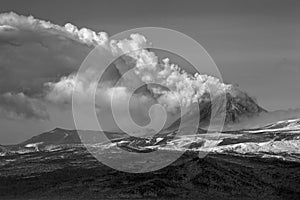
(255,44)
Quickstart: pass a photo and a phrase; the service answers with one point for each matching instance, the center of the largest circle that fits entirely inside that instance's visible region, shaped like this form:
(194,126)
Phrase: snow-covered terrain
(244,163)
(278,140)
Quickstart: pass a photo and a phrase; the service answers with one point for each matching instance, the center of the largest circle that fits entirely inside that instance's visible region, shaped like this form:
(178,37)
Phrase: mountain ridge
(239,106)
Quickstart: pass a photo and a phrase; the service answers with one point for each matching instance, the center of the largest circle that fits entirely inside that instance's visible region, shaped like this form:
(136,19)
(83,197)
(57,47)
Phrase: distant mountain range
(282,136)
(57,137)
(259,163)
(238,106)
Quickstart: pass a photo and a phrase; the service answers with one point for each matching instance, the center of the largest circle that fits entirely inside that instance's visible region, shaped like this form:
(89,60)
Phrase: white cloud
(183,89)
(59,53)
(40,59)
(34,52)
(7,28)
(12,21)
(19,106)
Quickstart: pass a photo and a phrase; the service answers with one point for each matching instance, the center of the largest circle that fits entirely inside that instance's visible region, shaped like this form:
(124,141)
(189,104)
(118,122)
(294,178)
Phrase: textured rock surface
(234,107)
(77,175)
(64,169)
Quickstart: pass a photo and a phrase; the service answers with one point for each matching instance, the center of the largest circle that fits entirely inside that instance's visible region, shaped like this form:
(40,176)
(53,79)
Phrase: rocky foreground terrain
(248,164)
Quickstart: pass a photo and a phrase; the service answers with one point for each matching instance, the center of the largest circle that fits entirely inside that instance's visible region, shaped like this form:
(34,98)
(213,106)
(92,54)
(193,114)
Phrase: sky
(255,44)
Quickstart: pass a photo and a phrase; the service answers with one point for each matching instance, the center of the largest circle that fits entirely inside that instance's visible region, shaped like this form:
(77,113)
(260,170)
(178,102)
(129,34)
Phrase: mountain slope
(239,106)
(285,124)
(257,142)
(56,136)
(70,175)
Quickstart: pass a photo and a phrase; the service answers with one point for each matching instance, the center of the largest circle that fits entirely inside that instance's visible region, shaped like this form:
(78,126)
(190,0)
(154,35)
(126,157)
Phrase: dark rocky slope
(77,175)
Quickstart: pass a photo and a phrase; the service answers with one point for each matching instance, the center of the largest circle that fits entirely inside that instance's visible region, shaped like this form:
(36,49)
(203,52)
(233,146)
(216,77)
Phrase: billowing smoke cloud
(12,21)
(18,106)
(34,52)
(39,61)
(183,89)
(60,93)
(175,87)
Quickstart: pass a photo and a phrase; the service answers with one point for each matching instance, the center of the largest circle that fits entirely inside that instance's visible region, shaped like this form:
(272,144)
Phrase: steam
(173,87)
(37,75)
(12,20)
(183,89)
(34,52)
(18,106)
(177,88)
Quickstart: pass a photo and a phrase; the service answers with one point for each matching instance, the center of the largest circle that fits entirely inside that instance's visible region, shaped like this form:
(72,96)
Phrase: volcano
(236,105)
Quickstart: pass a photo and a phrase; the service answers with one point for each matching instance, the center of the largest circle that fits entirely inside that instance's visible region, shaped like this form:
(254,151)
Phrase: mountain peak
(58,129)
(239,106)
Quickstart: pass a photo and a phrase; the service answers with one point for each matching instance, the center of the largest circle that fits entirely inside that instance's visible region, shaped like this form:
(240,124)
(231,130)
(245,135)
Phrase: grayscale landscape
(149,100)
